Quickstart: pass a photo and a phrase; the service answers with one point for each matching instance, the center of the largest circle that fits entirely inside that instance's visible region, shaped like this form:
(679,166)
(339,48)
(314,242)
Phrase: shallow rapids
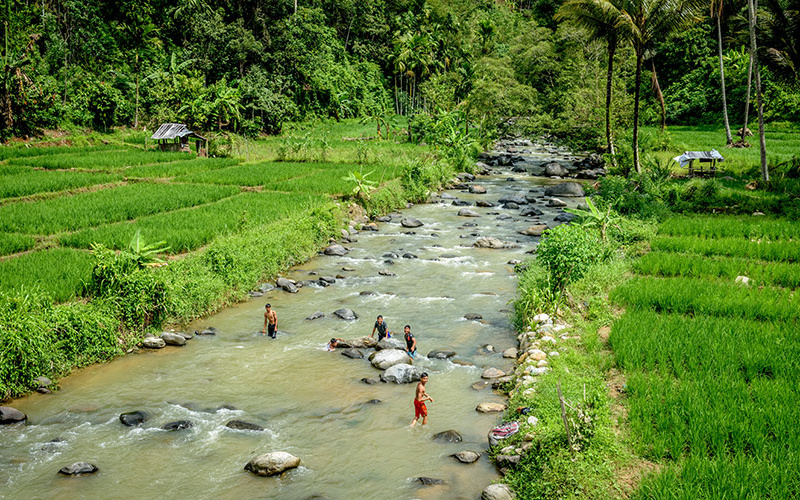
(312,403)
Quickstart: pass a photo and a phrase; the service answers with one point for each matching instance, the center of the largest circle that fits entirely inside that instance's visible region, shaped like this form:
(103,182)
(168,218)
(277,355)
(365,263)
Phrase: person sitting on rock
(411,342)
(333,344)
(381,327)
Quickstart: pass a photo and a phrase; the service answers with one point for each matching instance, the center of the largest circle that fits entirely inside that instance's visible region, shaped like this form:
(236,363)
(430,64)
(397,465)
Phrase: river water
(311,402)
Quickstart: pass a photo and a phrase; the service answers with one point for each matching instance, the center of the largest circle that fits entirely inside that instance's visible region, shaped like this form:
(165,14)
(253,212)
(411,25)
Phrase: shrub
(566,252)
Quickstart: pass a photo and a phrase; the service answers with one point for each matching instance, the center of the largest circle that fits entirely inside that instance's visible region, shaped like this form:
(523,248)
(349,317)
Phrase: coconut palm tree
(716,7)
(752,9)
(602,18)
(644,22)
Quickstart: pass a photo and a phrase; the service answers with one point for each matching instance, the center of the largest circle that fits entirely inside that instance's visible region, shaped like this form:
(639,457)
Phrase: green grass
(782,143)
(697,296)
(760,272)
(107,205)
(7,152)
(104,160)
(180,167)
(253,174)
(25,181)
(13,243)
(727,227)
(781,250)
(188,229)
(59,271)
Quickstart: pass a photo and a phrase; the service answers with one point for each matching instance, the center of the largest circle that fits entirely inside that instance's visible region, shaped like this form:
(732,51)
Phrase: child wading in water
(420,410)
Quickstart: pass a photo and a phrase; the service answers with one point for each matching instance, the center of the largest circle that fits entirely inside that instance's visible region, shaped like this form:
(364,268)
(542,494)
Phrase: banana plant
(363,184)
(594,217)
(146,254)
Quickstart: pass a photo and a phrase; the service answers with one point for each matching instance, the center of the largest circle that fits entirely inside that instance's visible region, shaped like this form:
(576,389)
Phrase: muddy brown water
(311,402)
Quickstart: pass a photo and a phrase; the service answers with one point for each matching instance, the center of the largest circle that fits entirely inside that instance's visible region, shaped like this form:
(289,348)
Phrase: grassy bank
(212,213)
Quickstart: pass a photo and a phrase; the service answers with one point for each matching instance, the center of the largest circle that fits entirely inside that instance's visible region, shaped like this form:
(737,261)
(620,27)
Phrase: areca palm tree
(602,18)
(716,12)
(752,8)
(644,22)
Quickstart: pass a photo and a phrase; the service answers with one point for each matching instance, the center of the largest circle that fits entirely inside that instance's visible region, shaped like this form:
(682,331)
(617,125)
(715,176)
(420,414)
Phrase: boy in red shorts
(420,410)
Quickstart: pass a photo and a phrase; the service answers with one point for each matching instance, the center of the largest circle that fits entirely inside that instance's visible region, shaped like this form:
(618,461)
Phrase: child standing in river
(420,410)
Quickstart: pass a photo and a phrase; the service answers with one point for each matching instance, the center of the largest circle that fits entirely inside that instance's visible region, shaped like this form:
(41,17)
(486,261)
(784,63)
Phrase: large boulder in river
(493,243)
(173,339)
(337,250)
(352,353)
(271,464)
(477,189)
(133,418)
(497,492)
(555,169)
(362,342)
(569,189)
(388,358)
(78,469)
(468,212)
(286,285)
(401,373)
(346,314)
(391,343)
(535,230)
(153,343)
(411,222)
(9,415)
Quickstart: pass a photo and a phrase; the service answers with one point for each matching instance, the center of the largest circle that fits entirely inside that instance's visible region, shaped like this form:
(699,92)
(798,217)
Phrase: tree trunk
(136,108)
(747,97)
(612,47)
(759,98)
(659,96)
(728,137)
(636,96)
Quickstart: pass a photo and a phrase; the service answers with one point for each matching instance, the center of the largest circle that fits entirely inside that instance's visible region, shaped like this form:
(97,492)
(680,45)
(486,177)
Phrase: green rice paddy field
(711,364)
(55,202)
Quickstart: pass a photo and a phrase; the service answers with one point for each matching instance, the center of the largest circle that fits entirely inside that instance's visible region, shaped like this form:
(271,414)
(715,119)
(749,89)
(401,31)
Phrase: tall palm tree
(602,19)
(716,7)
(752,8)
(646,21)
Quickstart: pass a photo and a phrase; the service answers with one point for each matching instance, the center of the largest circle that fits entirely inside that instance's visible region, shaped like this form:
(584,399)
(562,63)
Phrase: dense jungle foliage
(249,67)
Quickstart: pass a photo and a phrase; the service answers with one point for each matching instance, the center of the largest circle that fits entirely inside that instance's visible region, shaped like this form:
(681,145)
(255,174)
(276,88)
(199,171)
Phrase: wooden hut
(175,137)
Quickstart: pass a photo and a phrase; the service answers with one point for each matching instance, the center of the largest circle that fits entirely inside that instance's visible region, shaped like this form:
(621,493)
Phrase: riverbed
(353,439)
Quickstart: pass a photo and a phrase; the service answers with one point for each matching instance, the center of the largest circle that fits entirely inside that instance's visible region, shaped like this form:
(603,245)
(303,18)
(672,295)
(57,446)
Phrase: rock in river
(338,250)
(401,373)
(468,212)
(207,331)
(9,415)
(555,169)
(391,343)
(411,222)
(347,314)
(472,316)
(493,243)
(477,189)
(270,464)
(241,425)
(78,469)
(388,357)
(497,492)
(441,354)
(449,436)
(492,373)
(178,425)
(133,418)
(286,285)
(569,189)
(487,407)
(484,203)
(316,315)
(536,230)
(173,339)
(352,353)
(467,457)
(430,481)
(153,343)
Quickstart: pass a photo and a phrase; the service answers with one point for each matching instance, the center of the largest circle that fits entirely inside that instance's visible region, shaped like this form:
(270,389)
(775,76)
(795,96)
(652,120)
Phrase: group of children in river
(382,328)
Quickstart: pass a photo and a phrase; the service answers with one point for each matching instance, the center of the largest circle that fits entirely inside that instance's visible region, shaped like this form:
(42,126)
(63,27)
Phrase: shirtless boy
(420,410)
(270,321)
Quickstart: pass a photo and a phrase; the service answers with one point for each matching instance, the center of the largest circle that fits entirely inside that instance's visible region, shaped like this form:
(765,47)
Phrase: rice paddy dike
(422,266)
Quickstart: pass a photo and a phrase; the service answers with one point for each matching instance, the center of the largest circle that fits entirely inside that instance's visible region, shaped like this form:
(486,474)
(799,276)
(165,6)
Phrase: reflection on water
(353,438)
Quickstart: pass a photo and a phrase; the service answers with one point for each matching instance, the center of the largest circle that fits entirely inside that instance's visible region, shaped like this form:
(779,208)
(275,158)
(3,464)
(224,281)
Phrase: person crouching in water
(420,410)
(411,342)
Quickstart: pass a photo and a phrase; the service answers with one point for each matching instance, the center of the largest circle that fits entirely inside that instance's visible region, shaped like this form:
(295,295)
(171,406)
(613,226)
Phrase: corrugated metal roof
(698,155)
(173,131)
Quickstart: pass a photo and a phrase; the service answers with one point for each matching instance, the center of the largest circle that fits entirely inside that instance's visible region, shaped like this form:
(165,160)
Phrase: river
(312,403)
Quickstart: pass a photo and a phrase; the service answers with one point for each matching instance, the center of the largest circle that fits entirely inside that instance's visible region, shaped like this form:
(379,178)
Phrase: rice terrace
(418,249)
